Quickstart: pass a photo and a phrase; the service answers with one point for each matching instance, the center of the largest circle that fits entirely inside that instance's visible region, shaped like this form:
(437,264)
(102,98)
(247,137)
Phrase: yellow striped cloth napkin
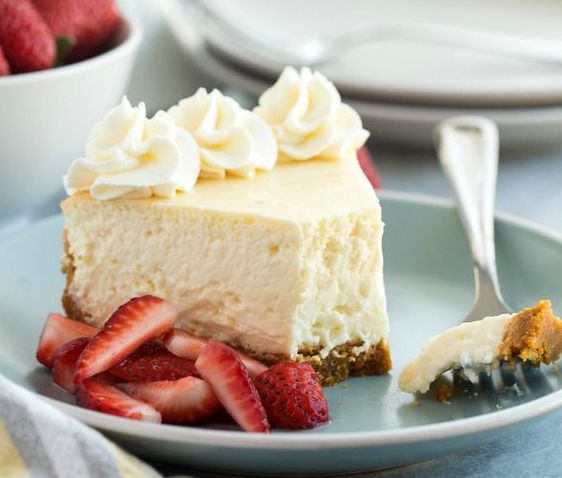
(39,441)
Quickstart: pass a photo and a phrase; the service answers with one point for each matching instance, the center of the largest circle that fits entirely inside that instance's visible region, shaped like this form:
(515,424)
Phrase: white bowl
(45,119)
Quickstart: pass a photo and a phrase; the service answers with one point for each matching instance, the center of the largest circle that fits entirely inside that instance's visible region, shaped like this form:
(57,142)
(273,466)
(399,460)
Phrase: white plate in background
(520,128)
(409,72)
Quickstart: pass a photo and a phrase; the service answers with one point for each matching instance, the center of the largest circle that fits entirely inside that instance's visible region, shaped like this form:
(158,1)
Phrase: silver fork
(467,148)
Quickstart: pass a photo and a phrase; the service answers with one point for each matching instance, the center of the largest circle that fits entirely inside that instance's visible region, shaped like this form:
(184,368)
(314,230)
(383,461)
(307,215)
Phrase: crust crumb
(533,335)
(444,393)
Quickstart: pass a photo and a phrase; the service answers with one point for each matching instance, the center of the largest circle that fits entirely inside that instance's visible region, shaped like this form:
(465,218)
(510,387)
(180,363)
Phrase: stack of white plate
(401,89)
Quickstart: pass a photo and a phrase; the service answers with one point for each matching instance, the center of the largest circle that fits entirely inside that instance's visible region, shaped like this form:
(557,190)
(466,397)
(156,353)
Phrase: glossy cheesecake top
(293,191)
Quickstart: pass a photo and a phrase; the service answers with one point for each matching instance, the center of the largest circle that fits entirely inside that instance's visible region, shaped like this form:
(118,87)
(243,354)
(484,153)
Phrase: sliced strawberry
(292,396)
(4,66)
(368,166)
(152,363)
(65,360)
(229,378)
(97,394)
(182,344)
(187,400)
(189,346)
(131,325)
(253,366)
(57,331)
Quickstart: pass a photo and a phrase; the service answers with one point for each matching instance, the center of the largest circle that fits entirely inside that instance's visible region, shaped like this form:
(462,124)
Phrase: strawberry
(97,394)
(221,367)
(183,344)
(292,396)
(189,346)
(64,362)
(133,324)
(253,366)
(152,363)
(26,40)
(368,167)
(187,400)
(57,331)
(4,67)
(89,23)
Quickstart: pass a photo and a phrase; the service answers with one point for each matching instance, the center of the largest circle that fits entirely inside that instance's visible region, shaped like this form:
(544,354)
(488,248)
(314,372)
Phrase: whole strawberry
(89,23)
(292,396)
(4,67)
(27,42)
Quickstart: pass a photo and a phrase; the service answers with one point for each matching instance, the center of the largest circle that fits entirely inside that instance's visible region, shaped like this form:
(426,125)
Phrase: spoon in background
(316,50)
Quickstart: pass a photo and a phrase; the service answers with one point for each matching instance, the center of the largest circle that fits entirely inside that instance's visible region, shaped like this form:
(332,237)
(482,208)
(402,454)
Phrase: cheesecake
(258,226)
(533,336)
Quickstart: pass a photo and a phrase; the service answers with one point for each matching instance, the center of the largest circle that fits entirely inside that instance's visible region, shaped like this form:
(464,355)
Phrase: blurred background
(403,65)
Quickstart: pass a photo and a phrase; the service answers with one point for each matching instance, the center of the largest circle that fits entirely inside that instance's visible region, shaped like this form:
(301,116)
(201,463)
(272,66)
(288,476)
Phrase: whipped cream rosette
(308,118)
(129,155)
(230,138)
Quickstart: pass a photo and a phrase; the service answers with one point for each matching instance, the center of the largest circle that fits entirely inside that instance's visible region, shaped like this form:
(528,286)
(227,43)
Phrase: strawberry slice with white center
(97,394)
(185,345)
(187,400)
(253,366)
(131,325)
(222,368)
(189,346)
(57,331)
(65,360)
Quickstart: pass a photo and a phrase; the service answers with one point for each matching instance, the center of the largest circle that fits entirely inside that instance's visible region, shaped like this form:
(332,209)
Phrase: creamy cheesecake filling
(272,268)
(268,286)
(469,345)
(343,292)
(212,267)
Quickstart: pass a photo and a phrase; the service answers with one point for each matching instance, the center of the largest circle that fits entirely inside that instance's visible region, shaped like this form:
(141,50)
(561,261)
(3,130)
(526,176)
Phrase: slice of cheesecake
(287,265)
(533,335)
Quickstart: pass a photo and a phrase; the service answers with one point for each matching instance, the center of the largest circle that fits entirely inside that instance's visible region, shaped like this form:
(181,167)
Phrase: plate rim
(340,440)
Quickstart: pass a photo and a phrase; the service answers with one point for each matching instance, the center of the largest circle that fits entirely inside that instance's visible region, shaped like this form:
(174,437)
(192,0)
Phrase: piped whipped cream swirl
(130,155)
(230,138)
(308,118)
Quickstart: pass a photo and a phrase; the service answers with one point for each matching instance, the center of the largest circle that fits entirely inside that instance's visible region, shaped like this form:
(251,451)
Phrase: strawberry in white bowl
(49,104)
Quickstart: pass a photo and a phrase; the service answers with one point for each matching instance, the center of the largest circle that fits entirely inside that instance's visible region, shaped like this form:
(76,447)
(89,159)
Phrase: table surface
(529,185)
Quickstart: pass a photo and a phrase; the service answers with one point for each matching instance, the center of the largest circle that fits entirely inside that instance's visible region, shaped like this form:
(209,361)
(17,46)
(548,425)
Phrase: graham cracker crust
(343,361)
(533,335)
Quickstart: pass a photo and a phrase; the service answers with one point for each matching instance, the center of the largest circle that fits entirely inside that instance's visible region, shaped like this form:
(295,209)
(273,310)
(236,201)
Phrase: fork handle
(468,151)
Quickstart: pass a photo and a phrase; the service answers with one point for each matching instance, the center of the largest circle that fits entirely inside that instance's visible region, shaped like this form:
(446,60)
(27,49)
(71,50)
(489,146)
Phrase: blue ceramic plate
(429,280)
